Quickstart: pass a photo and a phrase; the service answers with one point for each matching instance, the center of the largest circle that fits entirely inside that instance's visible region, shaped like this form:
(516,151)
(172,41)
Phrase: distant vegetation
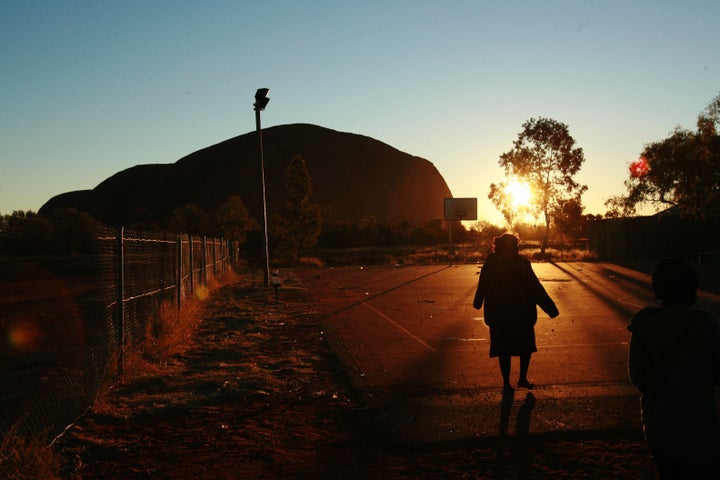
(545,159)
(681,171)
(68,231)
(65,231)
(680,174)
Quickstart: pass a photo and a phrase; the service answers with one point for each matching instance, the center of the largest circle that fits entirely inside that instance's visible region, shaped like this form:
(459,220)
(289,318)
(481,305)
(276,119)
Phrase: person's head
(675,281)
(506,244)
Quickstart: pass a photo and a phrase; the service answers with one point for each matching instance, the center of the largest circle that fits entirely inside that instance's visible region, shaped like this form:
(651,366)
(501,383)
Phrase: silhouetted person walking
(510,290)
(675,363)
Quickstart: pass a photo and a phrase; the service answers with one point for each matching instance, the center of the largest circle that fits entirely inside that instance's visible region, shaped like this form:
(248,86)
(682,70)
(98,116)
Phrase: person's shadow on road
(522,460)
(524,414)
(505,406)
(518,458)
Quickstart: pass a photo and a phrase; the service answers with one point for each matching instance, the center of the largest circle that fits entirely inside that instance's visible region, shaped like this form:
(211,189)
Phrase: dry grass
(170,333)
(167,335)
(430,256)
(570,255)
(440,255)
(312,262)
(23,459)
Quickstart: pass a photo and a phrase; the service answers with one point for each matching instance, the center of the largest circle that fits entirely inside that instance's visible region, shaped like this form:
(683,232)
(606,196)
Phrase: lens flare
(639,168)
(202,293)
(25,335)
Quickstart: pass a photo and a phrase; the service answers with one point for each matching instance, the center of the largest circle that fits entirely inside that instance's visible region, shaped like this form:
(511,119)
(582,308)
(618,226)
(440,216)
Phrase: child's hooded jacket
(675,363)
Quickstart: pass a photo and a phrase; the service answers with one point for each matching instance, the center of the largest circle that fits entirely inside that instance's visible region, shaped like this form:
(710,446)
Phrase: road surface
(419,353)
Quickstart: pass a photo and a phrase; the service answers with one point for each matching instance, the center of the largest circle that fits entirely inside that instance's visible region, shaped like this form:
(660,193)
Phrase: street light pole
(261,101)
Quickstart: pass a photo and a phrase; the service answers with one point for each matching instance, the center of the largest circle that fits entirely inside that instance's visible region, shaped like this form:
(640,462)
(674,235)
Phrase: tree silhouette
(231,220)
(683,171)
(569,219)
(544,155)
(297,223)
(189,219)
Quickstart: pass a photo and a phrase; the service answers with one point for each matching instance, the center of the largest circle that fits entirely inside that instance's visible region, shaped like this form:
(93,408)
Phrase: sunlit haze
(92,88)
(519,193)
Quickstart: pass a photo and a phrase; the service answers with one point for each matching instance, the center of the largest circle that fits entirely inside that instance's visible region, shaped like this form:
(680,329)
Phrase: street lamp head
(261,98)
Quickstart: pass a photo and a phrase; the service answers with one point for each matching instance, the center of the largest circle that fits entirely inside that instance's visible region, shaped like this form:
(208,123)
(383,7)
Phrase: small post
(214,257)
(121,297)
(276,283)
(204,260)
(451,250)
(192,264)
(178,279)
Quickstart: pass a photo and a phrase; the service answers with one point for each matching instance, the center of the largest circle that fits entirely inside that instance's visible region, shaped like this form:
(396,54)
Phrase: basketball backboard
(460,209)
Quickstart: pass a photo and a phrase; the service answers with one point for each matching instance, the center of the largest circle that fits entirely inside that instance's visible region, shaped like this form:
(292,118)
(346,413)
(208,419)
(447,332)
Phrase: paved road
(419,352)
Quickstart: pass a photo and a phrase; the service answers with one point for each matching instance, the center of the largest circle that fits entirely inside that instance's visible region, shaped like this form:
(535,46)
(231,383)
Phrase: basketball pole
(457,210)
(451,250)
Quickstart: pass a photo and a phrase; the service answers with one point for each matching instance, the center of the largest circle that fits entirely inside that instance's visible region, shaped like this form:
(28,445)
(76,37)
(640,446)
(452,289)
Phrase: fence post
(203,265)
(234,253)
(178,279)
(192,264)
(214,258)
(121,296)
(224,256)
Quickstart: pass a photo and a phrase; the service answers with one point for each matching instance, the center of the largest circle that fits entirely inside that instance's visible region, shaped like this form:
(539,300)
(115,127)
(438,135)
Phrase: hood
(662,324)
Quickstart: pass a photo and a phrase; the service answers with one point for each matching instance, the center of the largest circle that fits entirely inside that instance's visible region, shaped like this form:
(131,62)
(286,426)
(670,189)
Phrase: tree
(231,219)
(505,203)
(569,219)
(680,171)
(188,219)
(544,155)
(297,223)
(25,233)
(487,230)
(73,230)
(369,230)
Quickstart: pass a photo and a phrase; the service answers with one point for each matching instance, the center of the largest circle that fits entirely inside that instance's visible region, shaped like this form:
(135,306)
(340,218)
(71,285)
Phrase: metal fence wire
(66,319)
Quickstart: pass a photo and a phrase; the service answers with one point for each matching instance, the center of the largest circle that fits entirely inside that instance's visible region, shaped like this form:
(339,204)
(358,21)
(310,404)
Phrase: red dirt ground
(261,395)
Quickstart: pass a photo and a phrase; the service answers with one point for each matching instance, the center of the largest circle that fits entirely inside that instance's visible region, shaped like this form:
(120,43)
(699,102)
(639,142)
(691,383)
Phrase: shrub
(27,458)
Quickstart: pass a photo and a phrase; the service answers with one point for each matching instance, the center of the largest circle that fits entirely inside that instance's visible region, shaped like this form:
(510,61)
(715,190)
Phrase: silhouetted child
(675,363)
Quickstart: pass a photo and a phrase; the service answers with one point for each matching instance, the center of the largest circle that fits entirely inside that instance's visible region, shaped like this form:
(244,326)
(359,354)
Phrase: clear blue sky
(90,88)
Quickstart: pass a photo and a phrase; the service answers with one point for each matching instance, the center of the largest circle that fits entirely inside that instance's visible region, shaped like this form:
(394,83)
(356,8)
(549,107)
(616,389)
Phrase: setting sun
(519,193)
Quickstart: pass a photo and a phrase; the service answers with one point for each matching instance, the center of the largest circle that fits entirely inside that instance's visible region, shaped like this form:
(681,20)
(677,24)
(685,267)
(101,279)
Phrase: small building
(652,237)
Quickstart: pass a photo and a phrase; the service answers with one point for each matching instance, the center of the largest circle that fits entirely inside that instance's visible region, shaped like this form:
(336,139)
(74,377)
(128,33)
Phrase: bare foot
(526,384)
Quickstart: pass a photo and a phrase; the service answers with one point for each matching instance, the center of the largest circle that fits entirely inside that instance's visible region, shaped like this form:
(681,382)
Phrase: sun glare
(519,193)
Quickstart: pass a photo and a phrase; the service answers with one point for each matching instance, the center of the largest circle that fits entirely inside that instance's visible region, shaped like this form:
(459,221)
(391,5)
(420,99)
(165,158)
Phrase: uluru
(354,177)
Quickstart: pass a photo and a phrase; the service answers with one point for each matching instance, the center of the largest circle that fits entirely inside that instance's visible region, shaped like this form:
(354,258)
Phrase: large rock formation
(354,176)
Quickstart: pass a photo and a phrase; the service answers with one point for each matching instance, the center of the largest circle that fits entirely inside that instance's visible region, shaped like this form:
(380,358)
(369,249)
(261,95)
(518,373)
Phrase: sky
(90,88)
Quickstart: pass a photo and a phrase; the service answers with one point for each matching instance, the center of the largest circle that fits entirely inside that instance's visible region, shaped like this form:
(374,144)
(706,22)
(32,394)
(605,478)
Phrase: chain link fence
(67,318)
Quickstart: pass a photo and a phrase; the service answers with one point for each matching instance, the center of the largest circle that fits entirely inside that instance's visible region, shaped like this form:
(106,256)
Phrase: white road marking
(389,320)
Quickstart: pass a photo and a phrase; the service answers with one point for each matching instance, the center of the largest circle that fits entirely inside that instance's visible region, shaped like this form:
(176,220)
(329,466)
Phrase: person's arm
(636,369)
(540,295)
(480,291)
(716,350)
